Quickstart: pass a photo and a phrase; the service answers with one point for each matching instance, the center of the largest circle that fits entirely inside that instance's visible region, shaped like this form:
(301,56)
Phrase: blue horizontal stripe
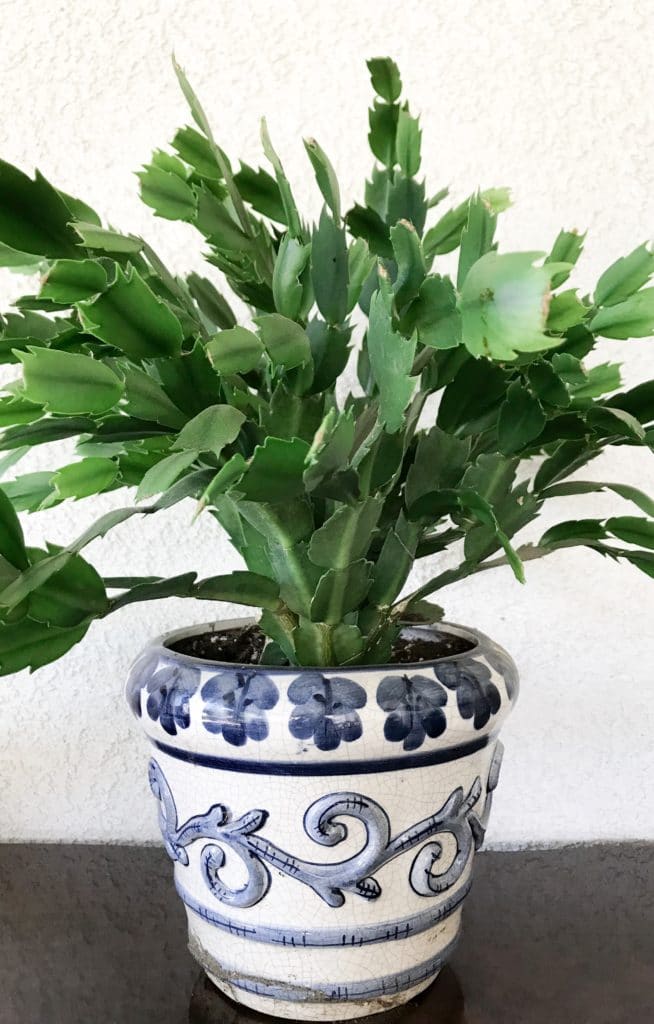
(385,931)
(347,991)
(353,767)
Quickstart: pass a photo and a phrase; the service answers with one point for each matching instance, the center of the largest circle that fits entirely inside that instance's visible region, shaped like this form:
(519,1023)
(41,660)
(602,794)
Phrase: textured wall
(553,99)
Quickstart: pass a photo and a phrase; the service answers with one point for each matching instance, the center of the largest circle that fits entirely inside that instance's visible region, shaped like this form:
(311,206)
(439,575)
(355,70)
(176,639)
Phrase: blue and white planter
(323,823)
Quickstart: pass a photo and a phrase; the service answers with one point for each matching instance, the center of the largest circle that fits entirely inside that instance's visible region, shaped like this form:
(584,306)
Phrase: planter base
(440,1003)
(278,991)
(319,1010)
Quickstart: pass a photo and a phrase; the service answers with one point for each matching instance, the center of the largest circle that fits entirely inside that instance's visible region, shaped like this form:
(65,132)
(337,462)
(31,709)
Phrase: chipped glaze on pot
(323,823)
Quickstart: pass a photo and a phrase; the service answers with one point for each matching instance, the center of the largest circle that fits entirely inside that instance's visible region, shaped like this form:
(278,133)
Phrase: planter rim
(189,709)
(162,644)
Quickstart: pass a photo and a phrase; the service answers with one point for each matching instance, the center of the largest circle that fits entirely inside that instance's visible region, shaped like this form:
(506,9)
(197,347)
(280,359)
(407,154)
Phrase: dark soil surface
(418,648)
(244,646)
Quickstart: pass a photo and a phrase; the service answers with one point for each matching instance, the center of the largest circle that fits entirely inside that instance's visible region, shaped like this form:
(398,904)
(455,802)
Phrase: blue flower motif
(326,709)
(504,666)
(414,705)
(169,687)
(476,695)
(235,704)
(142,668)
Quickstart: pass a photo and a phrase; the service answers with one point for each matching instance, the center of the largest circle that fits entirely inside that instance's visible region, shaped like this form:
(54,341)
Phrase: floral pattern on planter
(326,709)
(414,709)
(169,688)
(476,694)
(141,669)
(503,664)
(235,705)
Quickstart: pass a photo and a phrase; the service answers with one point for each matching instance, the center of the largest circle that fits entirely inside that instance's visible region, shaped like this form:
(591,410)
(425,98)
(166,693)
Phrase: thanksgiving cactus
(329,490)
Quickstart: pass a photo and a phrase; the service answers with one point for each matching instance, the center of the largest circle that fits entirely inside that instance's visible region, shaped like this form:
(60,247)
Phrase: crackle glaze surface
(323,824)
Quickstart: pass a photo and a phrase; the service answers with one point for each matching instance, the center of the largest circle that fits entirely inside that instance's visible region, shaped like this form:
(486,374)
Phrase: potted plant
(324,773)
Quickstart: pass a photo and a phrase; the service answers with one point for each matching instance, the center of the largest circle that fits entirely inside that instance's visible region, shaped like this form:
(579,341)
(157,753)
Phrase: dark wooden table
(96,935)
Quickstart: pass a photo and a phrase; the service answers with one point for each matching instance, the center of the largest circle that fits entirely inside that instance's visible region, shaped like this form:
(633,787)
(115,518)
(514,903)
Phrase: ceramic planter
(323,823)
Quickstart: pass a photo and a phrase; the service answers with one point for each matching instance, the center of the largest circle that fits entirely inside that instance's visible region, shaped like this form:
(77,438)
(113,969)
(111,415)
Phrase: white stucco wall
(553,99)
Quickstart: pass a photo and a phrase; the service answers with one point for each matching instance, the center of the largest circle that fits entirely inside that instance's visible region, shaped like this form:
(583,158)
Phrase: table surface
(97,934)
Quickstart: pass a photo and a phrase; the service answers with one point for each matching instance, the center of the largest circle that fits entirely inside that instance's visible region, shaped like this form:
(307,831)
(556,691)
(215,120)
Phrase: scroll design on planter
(493,780)
(468,832)
(457,817)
